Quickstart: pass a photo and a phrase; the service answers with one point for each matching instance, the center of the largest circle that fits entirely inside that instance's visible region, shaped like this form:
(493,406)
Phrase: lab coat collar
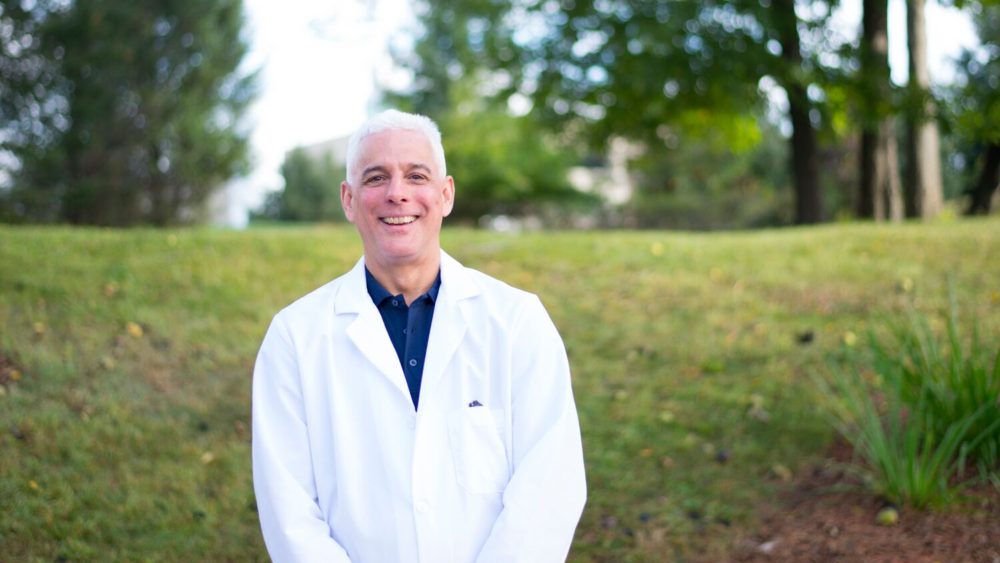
(448,327)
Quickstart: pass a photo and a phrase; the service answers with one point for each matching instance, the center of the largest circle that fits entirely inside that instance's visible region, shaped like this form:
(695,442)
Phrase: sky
(320,59)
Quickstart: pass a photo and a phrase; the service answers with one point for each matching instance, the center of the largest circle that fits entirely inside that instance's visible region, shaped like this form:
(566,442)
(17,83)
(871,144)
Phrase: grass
(932,405)
(690,355)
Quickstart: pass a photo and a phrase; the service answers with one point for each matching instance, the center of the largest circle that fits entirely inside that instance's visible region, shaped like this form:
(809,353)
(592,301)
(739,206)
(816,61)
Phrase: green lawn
(124,434)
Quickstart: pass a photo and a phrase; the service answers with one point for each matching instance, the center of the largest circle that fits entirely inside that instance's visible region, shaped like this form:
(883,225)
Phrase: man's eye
(374,179)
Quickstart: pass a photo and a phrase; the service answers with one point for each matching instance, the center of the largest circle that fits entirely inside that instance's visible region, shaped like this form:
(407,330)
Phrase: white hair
(395,120)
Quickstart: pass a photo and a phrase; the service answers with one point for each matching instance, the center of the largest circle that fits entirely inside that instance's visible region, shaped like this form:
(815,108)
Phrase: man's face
(397,199)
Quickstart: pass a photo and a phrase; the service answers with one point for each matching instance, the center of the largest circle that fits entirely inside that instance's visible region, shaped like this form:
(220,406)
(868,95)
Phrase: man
(413,409)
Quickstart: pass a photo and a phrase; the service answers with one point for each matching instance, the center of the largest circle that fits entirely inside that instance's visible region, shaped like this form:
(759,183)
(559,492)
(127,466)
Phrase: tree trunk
(879,193)
(924,190)
(804,152)
(989,182)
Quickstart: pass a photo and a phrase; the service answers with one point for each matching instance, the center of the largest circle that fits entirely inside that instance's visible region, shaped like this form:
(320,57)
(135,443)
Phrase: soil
(828,516)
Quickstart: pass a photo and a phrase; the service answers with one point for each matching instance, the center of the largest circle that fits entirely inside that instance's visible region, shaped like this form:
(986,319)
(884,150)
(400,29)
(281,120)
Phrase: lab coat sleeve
(544,498)
(291,521)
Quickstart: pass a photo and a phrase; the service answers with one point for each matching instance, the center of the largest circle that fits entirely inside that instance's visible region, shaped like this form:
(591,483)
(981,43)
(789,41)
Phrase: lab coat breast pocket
(477,449)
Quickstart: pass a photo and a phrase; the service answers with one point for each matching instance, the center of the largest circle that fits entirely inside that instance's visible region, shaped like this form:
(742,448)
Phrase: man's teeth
(399,220)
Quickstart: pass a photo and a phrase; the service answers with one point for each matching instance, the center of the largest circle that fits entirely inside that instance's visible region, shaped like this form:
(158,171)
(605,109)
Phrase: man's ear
(448,194)
(346,200)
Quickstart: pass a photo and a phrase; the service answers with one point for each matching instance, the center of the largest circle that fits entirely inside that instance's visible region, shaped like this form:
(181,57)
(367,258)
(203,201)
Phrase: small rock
(768,547)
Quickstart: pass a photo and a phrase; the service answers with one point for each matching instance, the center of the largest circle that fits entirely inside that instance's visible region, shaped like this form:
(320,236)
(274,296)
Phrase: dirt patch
(828,516)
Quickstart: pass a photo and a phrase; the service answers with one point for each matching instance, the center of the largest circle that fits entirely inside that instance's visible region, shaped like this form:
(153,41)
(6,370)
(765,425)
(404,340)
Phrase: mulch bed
(828,516)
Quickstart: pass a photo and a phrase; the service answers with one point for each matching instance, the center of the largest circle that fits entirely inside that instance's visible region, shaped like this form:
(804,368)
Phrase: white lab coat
(346,470)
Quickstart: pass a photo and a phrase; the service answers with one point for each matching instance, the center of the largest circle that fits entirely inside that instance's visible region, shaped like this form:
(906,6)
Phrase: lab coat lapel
(449,324)
(367,331)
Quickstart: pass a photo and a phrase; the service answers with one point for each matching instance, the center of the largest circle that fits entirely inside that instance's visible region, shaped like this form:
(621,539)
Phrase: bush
(930,407)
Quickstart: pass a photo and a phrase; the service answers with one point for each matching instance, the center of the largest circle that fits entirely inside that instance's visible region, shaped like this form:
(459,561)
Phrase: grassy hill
(126,357)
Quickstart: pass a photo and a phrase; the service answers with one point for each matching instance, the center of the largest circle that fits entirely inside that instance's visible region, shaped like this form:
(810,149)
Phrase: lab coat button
(423,507)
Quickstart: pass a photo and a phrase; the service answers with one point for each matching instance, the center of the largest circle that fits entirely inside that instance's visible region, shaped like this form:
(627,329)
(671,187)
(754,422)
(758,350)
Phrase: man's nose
(396,191)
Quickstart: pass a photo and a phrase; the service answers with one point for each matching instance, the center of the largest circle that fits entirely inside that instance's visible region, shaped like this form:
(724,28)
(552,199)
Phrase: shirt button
(423,507)
(395,303)
(406,330)
(413,363)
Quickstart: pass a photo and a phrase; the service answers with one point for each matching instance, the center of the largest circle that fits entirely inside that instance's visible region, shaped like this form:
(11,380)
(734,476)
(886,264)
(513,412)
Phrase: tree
(977,106)
(311,192)
(624,68)
(923,187)
(880,196)
(502,163)
(136,116)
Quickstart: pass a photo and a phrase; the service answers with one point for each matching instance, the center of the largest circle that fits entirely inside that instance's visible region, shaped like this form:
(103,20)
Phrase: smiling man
(413,409)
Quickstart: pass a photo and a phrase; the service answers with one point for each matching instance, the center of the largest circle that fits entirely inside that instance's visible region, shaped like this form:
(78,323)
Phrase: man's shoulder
(317,301)
(499,294)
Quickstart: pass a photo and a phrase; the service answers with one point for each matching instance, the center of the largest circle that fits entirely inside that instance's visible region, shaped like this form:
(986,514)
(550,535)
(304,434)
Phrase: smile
(404,220)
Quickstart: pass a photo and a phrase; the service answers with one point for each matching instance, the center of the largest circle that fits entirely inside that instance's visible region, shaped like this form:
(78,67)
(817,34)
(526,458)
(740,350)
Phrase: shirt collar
(379,294)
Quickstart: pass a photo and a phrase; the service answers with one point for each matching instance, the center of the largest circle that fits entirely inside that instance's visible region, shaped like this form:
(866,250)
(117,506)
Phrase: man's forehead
(395,140)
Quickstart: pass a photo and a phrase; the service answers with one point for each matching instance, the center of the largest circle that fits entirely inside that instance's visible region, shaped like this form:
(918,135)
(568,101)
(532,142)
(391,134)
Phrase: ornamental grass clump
(928,411)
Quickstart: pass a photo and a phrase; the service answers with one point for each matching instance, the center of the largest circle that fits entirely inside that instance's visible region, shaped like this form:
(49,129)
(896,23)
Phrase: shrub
(929,407)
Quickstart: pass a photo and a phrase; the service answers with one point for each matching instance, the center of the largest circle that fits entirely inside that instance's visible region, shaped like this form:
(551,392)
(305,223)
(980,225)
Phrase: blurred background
(590,113)
(714,373)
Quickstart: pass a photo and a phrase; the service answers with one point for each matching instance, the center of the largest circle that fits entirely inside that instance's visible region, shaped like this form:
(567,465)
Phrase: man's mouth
(404,220)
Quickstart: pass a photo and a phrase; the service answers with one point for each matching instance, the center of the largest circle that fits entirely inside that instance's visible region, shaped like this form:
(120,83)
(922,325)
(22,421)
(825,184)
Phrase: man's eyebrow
(423,167)
(376,168)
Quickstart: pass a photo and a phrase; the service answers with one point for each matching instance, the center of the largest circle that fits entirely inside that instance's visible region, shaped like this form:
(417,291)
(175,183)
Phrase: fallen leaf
(39,328)
(33,485)
(906,284)
(134,329)
(850,339)
(207,458)
(781,472)
(645,452)
(14,375)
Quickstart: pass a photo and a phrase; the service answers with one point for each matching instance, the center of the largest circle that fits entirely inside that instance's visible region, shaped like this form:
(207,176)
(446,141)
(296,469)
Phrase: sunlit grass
(690,356)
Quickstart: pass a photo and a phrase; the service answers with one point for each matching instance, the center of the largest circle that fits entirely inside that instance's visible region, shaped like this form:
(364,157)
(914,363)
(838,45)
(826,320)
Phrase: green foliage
(120,113)
(618,69)
(311,192)
(698,182)
(502,164)
(929,408)
(122,444)
(505,164)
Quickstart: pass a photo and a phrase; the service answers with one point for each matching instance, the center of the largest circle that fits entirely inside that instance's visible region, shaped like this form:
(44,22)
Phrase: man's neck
(410,280)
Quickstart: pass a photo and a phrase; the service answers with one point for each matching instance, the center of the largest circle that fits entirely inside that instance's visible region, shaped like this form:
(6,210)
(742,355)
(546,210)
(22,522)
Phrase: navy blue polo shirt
(409,327)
